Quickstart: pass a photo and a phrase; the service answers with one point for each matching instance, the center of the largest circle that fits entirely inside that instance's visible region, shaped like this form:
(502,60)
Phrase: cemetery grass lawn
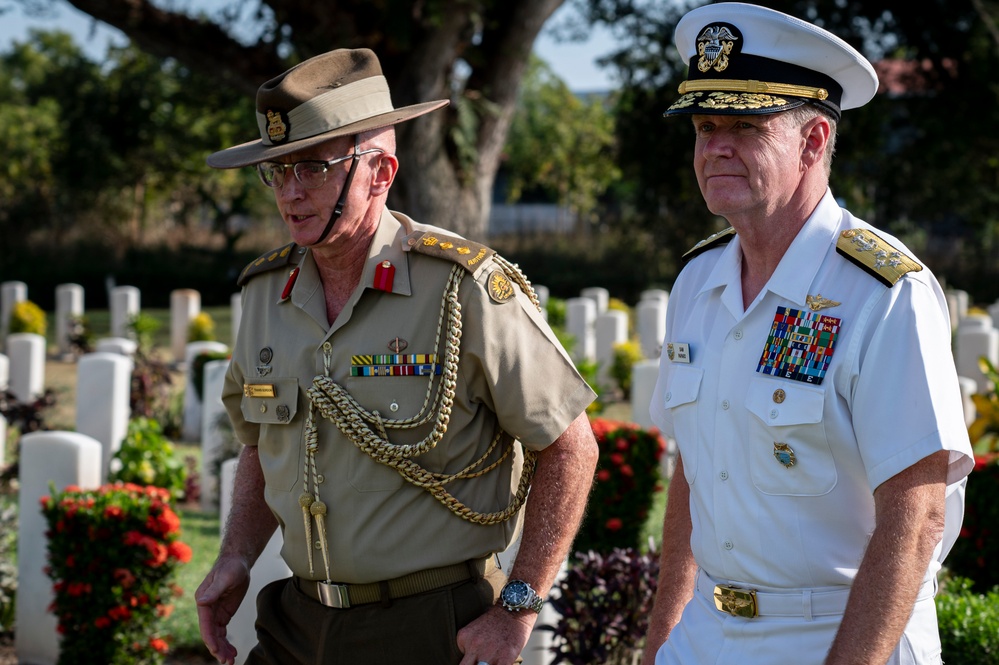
(201,531)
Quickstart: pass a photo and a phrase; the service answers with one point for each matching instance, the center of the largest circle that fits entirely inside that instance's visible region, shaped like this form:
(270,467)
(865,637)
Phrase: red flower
(102,622)
(163,611)
(165,523)
(180,551)
(617,459)
(603,475)
(159,645)
(114,512)
(626,470)
(621,444)
(614,524)
(120,613)
(124,577)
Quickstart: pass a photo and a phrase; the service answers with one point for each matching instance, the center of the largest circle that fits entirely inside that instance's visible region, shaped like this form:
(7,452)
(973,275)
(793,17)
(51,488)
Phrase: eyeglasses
(311,174)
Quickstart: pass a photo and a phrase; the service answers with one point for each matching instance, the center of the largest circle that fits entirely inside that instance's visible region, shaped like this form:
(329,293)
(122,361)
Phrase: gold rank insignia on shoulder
(712,240)
(469,255)
(276,258)
(875,256)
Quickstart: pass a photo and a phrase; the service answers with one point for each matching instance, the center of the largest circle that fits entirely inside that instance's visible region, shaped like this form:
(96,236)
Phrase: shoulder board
(469,255)
(875,256)
(276,258)
(712,240)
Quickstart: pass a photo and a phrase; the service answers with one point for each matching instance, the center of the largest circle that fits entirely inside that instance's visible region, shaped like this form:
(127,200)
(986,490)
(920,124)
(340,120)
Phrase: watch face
(516,593)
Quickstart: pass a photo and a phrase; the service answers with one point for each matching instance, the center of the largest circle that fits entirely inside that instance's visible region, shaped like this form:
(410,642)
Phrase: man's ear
(384,174)
(816,134)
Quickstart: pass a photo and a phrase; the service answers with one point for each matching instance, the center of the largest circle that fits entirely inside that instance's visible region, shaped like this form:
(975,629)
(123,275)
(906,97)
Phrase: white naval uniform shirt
(888,398)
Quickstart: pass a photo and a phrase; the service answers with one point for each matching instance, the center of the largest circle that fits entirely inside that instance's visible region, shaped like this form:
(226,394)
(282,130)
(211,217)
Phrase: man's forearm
(556,503)
(676,567)
(251,523)
(910,519)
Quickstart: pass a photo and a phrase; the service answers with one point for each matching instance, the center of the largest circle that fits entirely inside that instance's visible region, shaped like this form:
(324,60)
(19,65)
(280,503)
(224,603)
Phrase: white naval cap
(747,59)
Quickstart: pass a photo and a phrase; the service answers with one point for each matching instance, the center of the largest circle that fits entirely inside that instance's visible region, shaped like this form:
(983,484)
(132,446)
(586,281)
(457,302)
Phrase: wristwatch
(518,595)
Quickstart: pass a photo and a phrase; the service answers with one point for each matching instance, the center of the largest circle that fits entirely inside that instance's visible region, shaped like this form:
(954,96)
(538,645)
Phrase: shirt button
(669,396)
(723,475)
(728,544)
(738,333)
(774,413)
(725,404)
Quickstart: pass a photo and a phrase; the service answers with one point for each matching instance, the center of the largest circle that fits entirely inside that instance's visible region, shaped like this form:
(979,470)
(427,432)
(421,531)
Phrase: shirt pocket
(680,400)
(789,452)
(272,403)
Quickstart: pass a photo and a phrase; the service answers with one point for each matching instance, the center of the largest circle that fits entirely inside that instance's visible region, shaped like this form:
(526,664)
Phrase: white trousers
(706,636)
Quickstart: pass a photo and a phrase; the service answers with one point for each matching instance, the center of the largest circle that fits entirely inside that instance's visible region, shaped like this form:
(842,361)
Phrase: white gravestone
(11,293)
(268,568)
(651,322)
(975,338)
(599,295)
(661,295)
(610,328)
(580,316)
(69,306)
(27,365)
(185,304)
(62,458)
(214,435)
(643,382)
(103,386)
(125,306)
(968,388)
(542,293)
(236,307)
(191,428)
(123,346)
(957,305)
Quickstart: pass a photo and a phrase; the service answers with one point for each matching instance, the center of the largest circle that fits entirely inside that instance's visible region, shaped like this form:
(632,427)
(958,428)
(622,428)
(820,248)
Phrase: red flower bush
(977,548)
(625,484)
(113,553)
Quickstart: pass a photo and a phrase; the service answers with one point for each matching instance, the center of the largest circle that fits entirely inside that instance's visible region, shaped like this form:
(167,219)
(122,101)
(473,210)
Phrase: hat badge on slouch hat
(747,59)
(340,93)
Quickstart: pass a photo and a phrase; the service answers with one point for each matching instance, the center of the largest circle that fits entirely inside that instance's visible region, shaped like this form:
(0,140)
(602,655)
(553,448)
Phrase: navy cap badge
(714,46)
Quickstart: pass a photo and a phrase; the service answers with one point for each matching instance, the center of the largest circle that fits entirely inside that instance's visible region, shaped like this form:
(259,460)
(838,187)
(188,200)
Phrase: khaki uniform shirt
(512,374)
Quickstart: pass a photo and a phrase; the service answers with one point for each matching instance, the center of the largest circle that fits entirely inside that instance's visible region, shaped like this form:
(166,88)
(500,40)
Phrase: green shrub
(201,328)
(198,369)
(27,317)
(8,567)
(627,479)
(556,309)
(147,458)
(626,354)
(969,624)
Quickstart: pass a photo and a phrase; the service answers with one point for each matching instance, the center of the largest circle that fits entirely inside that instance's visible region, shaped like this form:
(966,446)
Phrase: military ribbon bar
(800,345)
(432,369)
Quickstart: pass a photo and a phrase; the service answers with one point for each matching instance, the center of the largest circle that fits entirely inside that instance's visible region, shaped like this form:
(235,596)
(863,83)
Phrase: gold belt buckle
(333,595)
(736,601)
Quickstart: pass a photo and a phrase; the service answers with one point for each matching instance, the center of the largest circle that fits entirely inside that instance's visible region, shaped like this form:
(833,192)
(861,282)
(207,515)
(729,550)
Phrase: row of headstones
(124,306)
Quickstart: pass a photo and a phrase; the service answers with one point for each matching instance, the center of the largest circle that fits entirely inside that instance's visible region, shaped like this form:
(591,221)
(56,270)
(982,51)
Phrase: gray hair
(797,117)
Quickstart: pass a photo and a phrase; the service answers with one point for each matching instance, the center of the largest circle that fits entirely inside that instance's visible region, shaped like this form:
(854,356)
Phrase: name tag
(259,390)
(678,352)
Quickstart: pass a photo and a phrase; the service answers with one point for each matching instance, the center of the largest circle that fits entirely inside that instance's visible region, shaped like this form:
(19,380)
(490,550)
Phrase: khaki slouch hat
(339,93)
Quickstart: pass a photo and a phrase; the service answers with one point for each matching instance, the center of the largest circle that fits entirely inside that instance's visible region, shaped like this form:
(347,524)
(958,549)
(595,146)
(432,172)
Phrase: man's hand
(497,637)
(218,598)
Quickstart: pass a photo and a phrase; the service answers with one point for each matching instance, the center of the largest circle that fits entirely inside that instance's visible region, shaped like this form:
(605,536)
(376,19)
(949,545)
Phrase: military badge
(499,286)
(277,126)
(397,345)
(384,276)
(283,413)
(714,46)
(678,352)
(800,345)
(265,356)
(784,455)
(815,303)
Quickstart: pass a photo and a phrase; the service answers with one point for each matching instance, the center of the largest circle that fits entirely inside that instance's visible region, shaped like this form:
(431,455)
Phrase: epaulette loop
(277,258)
(469,255)
(875,255)
(712,240)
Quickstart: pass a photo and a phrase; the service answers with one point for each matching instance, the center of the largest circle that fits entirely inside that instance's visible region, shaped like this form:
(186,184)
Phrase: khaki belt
(749,603)
(343,596)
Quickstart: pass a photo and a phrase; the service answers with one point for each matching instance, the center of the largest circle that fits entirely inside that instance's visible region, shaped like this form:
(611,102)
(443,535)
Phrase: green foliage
(560,147)
(984,430)
(147,457)
(202,328)
(143,327)
(626,354)
(604,602)
(627,479)
(8,567)
(112,556)
(27,317)
(556,309)
(969,624)
(198,370)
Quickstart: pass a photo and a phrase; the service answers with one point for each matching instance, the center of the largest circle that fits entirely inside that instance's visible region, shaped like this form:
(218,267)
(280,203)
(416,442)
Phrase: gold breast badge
(817,302)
